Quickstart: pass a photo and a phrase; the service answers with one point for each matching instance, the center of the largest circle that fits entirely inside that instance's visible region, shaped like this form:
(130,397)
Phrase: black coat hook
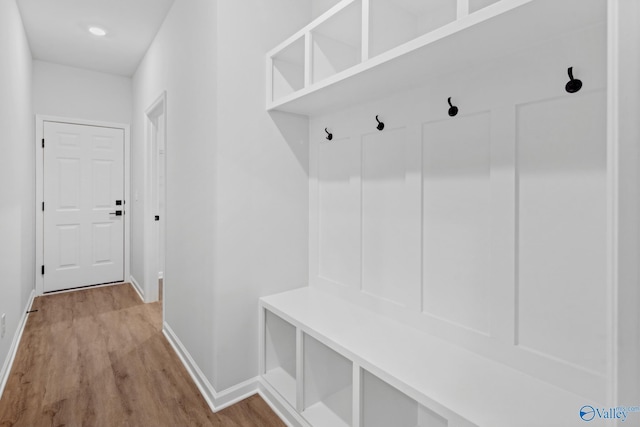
(453,110)
(573,85)
(329,134)
(380,124)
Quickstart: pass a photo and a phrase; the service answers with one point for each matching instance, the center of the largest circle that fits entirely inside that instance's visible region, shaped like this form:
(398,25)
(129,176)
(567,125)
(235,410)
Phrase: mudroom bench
(330,363)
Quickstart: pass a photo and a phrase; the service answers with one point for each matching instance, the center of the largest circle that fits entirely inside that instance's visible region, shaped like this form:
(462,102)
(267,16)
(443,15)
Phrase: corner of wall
(216,400)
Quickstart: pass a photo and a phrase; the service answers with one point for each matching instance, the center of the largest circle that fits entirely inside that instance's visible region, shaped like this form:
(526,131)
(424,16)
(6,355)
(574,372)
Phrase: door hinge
(42,270)
(42,206)
(42,142)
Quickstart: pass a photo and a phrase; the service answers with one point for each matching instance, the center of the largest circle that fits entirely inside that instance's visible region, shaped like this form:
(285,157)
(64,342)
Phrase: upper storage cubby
(287,70)
(318,7)
(337,42)
(359,50)
(476,5)
(395,22)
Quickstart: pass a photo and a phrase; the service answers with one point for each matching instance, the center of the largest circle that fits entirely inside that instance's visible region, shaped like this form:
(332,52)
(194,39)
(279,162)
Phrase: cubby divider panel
(280,356)
(328,386)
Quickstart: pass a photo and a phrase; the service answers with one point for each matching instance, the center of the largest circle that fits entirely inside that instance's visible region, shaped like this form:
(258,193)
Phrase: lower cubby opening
(280,356)
(327,386)
(384,406)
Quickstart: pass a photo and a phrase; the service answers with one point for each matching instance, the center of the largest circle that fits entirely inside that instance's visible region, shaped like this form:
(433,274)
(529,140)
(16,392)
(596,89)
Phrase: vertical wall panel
(562,300)
(339,211)
(456,165)
(391,217)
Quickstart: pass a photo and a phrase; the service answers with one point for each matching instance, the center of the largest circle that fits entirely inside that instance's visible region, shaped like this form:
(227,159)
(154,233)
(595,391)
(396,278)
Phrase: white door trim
(40,120)
(156,109)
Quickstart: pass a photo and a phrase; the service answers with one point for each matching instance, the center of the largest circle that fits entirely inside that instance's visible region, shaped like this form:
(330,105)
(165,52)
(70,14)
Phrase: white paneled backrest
(561,145)
(486,229)
(339,215)
(456,212)
(391,216)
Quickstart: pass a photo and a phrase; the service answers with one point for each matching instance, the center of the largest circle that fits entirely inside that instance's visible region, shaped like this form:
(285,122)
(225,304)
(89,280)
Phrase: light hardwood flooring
(97,357)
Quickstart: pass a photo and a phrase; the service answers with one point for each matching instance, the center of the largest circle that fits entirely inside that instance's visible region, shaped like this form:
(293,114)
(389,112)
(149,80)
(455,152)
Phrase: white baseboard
(216,400)
(137,287)
(13,350)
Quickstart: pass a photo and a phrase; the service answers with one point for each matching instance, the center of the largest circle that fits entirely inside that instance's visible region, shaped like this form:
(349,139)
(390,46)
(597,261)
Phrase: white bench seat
(463,387)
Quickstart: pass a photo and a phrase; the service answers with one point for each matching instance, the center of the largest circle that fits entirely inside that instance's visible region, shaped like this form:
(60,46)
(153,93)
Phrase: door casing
(40,120)
(157,109)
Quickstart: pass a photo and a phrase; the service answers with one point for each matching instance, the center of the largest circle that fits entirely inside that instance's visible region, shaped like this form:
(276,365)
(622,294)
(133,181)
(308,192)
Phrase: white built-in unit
(360,50)
(477,269)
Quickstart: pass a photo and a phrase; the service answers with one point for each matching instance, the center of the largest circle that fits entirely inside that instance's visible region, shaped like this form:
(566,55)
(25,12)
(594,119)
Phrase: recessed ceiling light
(97,31)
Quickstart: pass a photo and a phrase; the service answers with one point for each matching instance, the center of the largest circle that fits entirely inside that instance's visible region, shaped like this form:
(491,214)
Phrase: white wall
(236,219)
(487,229)
(64,91)
(262,182)
(17,174)
(182,61)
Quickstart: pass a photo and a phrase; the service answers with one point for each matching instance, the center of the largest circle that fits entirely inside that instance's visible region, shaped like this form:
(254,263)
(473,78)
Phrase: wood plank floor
(97,357)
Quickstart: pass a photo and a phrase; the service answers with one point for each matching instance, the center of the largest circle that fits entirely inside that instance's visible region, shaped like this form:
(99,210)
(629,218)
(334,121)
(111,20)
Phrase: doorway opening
(155,200)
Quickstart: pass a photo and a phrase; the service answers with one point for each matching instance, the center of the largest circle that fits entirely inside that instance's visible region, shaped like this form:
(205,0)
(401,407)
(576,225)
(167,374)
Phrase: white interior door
(83,194)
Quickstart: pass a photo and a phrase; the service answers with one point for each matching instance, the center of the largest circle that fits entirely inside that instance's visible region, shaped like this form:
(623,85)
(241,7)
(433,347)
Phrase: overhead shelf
(486,30)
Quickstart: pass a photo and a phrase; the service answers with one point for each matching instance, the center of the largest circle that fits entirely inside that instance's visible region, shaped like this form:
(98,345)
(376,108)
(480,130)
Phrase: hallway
(97,357)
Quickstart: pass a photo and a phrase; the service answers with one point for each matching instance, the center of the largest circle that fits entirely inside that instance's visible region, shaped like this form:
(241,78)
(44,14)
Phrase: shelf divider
(299,370)
(366,12)
(357,396)
(463,8)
